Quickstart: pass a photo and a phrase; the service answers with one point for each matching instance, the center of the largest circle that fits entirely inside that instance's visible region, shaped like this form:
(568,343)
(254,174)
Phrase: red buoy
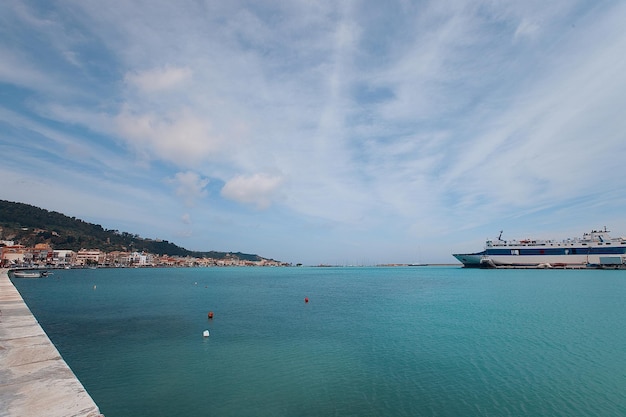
(306,299)
(210,314)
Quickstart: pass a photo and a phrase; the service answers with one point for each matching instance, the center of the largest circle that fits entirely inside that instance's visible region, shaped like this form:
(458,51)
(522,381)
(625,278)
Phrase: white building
(62,257)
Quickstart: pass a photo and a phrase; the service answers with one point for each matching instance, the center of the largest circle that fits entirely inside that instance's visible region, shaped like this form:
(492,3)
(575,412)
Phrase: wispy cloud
(160,79)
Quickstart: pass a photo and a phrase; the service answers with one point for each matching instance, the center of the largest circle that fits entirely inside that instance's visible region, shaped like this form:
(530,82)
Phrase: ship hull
(538,256)
(552,261)
(470,260)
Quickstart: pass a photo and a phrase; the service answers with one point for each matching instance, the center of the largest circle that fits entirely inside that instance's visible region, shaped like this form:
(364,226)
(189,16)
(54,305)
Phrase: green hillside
(29,225)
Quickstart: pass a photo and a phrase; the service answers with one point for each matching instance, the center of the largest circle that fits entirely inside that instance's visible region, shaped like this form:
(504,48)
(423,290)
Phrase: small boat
(30,274)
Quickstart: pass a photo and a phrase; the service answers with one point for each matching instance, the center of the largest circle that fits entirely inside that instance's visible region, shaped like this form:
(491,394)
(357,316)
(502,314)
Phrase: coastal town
(42,255)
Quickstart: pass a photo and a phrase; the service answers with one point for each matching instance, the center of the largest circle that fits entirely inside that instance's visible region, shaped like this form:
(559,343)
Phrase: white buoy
(205,333)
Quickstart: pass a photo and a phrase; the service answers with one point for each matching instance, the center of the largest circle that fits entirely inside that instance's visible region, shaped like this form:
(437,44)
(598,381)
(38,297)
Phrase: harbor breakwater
(34,378)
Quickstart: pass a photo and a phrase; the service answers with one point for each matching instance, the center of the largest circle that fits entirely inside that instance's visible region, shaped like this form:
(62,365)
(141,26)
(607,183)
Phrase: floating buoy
(210,315)
(306,299)
(205,333)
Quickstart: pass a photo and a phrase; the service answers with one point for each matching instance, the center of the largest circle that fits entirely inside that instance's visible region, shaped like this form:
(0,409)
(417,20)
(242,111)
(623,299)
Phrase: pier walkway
(35,381)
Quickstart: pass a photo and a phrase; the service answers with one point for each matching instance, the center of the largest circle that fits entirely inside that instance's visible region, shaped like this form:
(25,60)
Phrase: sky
(318,132)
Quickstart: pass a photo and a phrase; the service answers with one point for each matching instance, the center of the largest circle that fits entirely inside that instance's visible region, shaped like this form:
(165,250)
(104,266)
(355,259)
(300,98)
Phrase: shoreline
(35,380)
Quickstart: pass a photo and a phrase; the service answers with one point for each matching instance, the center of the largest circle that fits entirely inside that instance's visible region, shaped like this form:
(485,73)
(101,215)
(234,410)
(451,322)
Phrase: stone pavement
(35,381)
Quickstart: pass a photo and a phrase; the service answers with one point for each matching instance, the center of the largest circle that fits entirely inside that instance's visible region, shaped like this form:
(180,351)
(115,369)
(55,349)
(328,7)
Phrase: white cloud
(189,186)
(256,189)
(181,137)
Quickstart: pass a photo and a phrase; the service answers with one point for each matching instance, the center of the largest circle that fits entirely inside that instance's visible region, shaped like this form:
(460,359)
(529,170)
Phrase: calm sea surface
(414,341)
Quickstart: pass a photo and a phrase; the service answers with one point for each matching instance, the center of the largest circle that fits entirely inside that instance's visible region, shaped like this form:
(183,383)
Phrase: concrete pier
(35,381)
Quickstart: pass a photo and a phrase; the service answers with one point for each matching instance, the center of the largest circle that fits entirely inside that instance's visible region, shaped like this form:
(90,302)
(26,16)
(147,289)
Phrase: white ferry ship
(594,249)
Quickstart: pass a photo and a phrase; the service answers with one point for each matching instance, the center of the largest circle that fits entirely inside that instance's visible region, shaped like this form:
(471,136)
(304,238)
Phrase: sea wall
(34,379)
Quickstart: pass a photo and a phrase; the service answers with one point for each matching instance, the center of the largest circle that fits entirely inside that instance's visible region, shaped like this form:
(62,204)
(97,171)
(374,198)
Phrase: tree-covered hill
(29,225)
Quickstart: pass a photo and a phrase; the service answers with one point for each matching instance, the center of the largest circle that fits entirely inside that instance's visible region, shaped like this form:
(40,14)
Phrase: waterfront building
(90,257)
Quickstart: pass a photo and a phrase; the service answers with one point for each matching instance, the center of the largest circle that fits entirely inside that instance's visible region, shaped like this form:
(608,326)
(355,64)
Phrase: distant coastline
(33,237)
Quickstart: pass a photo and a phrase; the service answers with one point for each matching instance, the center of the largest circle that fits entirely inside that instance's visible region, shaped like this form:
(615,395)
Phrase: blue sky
(354,132)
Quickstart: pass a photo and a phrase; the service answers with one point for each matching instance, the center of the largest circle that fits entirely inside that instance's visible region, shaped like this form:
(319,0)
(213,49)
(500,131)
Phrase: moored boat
(596,248)
(30,274)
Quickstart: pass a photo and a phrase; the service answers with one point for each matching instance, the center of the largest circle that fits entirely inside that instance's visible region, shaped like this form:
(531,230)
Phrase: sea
(370,341)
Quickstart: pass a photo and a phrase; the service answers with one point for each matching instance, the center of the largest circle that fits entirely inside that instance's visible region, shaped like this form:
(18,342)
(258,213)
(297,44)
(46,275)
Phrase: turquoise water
(422,341)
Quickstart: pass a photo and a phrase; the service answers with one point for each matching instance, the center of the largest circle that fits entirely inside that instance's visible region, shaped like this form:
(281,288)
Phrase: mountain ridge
(30,225)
